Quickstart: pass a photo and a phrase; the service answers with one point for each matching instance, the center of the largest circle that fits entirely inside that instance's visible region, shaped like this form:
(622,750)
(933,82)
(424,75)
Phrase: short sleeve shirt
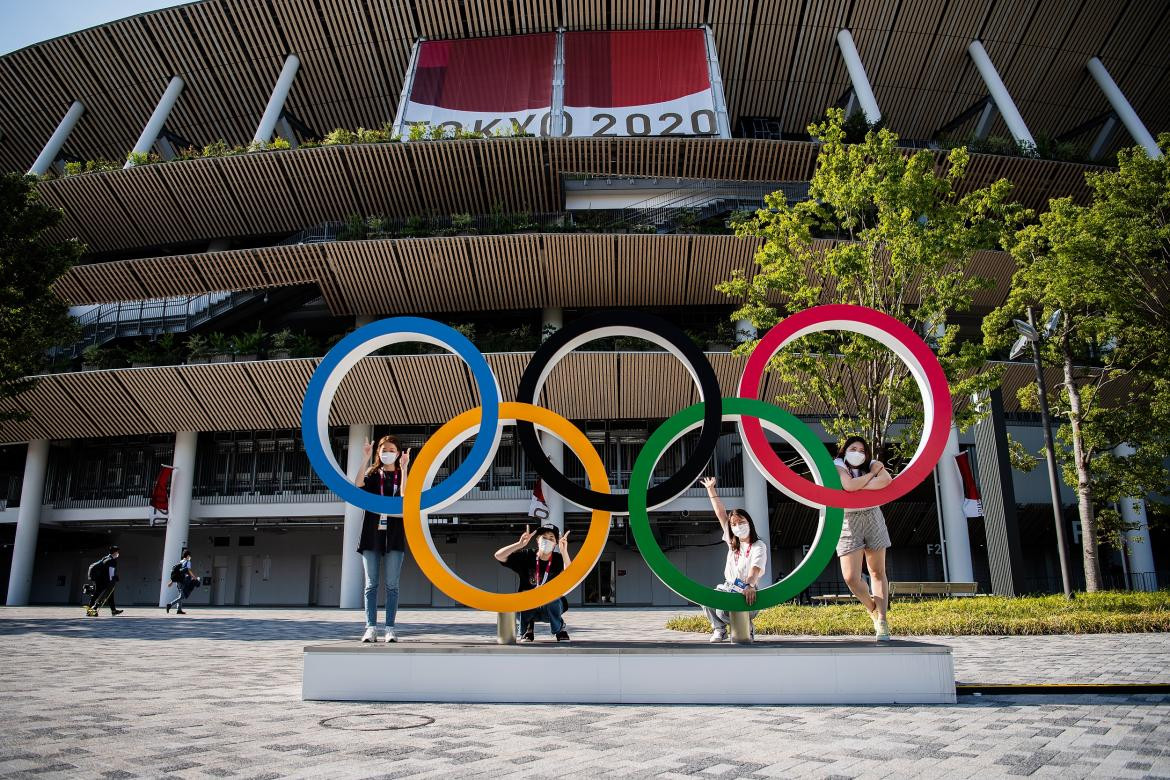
(524,563)
(740,562)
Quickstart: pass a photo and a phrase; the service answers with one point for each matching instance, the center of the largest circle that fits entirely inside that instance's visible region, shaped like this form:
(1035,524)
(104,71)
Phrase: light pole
(1029,335)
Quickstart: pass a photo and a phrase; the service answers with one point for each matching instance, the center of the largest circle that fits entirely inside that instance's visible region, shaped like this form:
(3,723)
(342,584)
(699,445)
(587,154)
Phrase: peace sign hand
(367,449)
(524,537)
(404,458)
(564,543)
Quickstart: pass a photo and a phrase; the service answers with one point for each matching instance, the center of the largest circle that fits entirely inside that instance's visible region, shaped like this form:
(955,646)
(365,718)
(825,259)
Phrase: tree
(1106,267)
(32,318)
(901,238)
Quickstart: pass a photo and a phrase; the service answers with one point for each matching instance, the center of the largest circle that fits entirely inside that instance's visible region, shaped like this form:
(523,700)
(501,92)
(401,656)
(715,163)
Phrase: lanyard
(382,483)
(547,570)
(746,554)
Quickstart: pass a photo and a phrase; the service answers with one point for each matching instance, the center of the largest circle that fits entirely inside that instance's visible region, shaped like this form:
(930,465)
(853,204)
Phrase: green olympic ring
(828,529)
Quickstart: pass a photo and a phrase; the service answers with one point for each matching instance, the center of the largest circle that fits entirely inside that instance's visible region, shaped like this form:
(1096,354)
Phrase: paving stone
(217,694)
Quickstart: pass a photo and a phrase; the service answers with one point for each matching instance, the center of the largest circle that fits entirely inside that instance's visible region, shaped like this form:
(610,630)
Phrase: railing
(695,200)
(130,319)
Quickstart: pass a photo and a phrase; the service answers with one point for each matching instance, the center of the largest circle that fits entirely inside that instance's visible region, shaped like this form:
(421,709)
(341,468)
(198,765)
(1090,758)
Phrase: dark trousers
(103,591)
(551,612)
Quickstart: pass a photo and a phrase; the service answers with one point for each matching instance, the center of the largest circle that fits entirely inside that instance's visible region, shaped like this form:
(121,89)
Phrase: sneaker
(117,611)
(391,636)
(881,630)
(562,636)
(529,635)
(371,635)
(180,612)
(168,608)
(718,635)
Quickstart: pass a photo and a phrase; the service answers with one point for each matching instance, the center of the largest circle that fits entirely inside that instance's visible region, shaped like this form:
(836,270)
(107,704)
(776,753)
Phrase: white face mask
(743,530)
(854,458)
(387,457)
(545,545)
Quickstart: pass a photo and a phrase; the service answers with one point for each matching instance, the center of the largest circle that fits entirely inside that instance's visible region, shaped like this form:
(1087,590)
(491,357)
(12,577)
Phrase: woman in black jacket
(383,540)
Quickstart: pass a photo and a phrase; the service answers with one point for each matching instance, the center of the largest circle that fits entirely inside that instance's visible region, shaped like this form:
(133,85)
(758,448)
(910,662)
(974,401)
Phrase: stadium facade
(631,130)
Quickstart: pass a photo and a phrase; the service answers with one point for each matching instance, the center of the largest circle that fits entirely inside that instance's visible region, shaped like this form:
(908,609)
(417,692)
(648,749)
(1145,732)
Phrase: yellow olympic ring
(418,537)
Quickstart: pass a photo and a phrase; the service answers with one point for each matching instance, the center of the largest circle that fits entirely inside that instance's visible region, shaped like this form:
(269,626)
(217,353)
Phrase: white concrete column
(999,93)
(1123,109)
(179,514)
(857,77)
(956,539)
(755,501)
(57,140)
(986,117)
(755,486)
(1104,136)
(28,522)
(553,317)
(276,99)
(352,578)
(155,124)
(1138,551)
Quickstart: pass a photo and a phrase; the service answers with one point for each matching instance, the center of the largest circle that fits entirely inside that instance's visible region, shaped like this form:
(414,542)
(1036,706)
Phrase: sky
(23,22)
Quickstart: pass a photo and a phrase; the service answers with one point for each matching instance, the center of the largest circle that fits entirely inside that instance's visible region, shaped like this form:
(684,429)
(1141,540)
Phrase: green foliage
(339,136)
(353,229)
(418,131)
(857,127)
(905,236)
(143,158)
(463,223)
(91,166)
(248,342)
(1106,266)
(197,347)
(32,318)
(303,345)
(219,344)
(102,357)
(281,340)
(1091,613)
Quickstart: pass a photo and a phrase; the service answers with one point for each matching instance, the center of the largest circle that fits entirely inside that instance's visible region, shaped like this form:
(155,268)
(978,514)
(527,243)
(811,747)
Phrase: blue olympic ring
(344,356)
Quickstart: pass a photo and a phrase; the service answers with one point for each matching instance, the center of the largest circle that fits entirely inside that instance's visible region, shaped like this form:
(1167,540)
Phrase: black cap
(544,529)
(113,548)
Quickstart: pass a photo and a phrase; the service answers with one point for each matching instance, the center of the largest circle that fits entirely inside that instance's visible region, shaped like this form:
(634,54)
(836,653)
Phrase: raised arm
(716,503)
(367,453)
(564,547)
(502,554)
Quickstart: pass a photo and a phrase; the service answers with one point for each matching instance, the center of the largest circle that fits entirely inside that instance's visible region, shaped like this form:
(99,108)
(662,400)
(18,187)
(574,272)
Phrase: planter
(197,361)
(221,358)
(141,364)
(716,346)
(90,367)
(246,358)
(279,354)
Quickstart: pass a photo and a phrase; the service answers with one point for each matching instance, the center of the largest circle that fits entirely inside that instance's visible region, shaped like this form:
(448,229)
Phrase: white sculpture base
(766,672)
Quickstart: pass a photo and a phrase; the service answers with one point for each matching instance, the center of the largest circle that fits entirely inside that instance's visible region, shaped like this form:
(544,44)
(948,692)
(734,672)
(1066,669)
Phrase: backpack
(177,572)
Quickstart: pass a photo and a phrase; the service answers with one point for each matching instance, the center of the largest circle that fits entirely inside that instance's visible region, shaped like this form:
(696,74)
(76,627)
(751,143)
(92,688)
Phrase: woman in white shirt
(747,556)
(864,536)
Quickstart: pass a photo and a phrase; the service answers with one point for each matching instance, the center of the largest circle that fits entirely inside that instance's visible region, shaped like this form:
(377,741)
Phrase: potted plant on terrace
(247,345)
(280,345)
(142,354)
(304,346)
(220,347)
(198,350)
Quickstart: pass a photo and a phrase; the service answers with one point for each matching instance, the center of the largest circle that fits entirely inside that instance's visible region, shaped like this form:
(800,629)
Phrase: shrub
(339,136)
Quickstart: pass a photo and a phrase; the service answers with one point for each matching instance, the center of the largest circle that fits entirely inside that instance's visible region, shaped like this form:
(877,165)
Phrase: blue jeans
(551,612)
(391,565)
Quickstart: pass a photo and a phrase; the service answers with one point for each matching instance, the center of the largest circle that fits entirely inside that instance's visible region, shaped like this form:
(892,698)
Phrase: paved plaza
(216,693)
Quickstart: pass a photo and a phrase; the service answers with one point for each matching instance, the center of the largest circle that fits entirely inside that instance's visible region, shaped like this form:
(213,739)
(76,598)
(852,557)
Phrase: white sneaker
(718,636)
(391,636)
(371,635)
(881,630)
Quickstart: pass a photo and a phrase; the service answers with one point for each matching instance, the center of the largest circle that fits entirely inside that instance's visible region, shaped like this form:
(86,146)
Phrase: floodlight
(1026,330)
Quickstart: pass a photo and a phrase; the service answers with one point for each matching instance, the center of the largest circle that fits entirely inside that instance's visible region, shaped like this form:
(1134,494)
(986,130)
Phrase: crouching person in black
(536,567)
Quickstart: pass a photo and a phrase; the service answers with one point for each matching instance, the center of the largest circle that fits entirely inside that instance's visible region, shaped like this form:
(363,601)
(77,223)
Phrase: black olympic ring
(600,325)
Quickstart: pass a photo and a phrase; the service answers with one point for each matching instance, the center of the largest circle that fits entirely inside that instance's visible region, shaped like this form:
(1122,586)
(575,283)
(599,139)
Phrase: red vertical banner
(161,495)
(972,505)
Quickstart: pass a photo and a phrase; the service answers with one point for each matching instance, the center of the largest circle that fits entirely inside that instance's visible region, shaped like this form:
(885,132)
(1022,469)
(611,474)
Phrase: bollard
(506,628)
(741,628)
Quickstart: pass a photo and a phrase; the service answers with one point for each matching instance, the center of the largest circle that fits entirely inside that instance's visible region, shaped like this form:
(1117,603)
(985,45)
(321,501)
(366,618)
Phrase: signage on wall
(647,83)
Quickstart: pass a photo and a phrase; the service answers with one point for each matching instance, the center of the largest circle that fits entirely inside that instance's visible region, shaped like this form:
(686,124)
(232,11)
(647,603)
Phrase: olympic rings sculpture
(824,492)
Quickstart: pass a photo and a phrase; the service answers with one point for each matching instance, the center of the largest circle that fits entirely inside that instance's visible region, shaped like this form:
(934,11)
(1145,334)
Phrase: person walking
(184,580)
